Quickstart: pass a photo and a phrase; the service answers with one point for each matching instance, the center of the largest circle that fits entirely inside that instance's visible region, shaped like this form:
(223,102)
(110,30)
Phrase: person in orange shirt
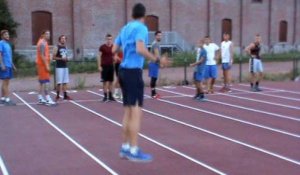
(43,68)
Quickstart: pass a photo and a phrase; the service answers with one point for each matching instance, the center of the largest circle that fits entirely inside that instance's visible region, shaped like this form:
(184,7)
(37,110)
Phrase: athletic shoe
(123,153)
(57,98)
(50,103)
(111,99)
(195,97)
(258,89)
(68,98)
(105,99)
(223,89)
(9,103)
(202,99)
(140,156)
(228,89)
(253,89)
(156,96)
(41,101)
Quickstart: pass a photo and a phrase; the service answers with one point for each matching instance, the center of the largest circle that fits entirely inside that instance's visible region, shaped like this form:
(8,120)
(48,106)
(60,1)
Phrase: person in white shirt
(227,61)
(211,70)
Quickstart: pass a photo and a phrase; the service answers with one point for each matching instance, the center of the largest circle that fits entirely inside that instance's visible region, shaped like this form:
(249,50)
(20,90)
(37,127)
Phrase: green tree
(6,19)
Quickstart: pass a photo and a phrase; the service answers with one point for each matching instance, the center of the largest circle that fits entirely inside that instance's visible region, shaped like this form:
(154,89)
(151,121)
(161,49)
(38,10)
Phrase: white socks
(5,99)
(134,149)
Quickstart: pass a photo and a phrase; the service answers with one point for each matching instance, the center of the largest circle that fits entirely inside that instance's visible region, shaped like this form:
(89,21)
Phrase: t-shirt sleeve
(1,47)
(101,49)
(141,34)
(216,47)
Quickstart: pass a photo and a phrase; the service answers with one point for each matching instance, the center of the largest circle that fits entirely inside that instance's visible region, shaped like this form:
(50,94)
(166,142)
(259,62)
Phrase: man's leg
(105,91)
(58,87)
(153,86)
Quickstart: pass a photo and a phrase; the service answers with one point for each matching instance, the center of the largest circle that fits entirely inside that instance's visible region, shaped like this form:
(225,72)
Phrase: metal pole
(185,81)
(240,68)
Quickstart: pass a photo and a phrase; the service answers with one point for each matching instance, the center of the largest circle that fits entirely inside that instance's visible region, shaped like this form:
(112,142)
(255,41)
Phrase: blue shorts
(7,74)
(153,70)
(132,85)
(44,81)
(226,66)
(199,73)
(211,71)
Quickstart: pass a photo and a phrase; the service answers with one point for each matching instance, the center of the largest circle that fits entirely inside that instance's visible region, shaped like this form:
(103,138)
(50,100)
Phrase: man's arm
(248,48)
(231,52)
(54,53)
(197,62)
(99,61)
(3,68)
(43,54)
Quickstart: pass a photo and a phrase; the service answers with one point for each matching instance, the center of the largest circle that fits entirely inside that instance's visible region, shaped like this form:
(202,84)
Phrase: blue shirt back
(202,54)
(6,53)
(131,33)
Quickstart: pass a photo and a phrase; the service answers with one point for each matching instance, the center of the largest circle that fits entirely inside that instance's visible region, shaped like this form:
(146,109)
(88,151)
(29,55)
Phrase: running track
(236,133)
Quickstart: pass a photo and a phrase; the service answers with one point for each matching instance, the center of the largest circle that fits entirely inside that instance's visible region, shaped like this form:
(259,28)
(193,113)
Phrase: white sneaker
(50,103)
(41,101)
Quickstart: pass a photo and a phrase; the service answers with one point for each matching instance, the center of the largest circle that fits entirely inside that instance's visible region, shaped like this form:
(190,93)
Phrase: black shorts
(132,85)
(117,66)
(107,73)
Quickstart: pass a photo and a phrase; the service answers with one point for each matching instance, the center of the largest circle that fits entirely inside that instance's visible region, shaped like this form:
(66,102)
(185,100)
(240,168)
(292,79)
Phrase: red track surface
(188,137)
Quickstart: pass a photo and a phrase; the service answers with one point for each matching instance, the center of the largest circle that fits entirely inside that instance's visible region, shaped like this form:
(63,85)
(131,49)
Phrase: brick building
(85,22)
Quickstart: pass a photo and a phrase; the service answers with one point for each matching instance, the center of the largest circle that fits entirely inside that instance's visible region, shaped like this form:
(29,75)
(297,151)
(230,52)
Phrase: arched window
(41,20)
(226,27)
(283,31)
(152,22)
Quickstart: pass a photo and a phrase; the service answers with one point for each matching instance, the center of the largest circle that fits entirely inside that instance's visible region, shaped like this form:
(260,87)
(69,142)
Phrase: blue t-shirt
(6,53)
(202,54)
(131,33)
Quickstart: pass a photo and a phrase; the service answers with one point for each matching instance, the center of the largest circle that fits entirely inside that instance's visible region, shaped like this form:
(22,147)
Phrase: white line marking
(218,135)
(228,117)
(292,92)
(262,93)
(152,140)
(68,137)
(3,167)
(250,109)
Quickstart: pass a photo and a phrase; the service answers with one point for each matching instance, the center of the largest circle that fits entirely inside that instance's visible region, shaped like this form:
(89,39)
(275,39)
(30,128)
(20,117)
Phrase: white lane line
(97,160)
(3,167)
(218,135)
(292,92)
(262,93)
(152,140)
(228,117)
(250,109)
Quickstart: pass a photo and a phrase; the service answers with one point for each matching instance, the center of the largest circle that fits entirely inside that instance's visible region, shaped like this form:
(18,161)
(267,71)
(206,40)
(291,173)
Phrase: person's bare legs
(134,124)
(4,88)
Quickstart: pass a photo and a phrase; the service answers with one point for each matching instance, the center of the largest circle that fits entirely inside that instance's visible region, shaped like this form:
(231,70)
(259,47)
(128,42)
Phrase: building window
(41,20)
(152,22)
(226,27)
(283,29)
(257,1)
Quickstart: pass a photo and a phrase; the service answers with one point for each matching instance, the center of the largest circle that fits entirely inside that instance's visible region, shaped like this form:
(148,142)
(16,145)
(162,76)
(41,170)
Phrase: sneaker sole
(139,160)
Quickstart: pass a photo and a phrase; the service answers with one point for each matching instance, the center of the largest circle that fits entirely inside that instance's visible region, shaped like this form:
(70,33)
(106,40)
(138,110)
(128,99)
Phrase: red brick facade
(85,22)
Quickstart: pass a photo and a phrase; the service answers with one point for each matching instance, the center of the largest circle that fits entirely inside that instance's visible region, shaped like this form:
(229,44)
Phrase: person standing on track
(153,67)
(211,70)
(43,68)
(255,63)
(106,67)
(227,61)
(199,71)
(133,38)
(6,68)
(61,70)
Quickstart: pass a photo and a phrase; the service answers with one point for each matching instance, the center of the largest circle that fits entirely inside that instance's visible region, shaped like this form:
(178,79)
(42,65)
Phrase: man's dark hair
(138,11)
(207,36)
(108,35)
(226,33)
(157,32)
(60,37)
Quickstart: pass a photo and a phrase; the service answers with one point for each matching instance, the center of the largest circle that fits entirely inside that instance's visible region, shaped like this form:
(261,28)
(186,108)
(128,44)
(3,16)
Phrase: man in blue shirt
(199,71)
(132,39)
(7,66)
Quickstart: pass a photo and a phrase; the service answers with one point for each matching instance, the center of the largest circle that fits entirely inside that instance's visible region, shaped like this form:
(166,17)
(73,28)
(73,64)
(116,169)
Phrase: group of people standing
(208,56)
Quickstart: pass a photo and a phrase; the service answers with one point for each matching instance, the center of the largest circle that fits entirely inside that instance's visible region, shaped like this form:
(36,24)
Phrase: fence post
(185,81)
